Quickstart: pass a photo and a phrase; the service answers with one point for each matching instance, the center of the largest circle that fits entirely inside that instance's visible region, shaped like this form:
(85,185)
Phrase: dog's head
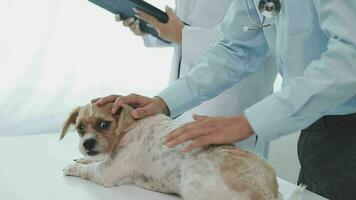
(100,131)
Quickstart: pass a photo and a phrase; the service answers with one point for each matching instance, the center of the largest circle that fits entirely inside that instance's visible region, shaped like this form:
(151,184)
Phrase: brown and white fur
(135,150)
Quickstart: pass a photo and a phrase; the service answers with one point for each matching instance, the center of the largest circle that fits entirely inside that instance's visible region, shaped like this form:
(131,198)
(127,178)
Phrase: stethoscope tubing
(258,25)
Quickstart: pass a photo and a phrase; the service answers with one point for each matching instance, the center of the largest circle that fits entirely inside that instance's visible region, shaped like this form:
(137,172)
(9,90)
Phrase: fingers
(176,133)
(118,18)
(170,12)
(132,23)
(210,130)
(151,108)
(140,113)
(95,100)
(145,106)
(119,102)
(200,137)
(105,100)
(137,30)
(128,22)
(135,27)
(148,18)
(184,134)
(199,117)
(132,99)
(198,143)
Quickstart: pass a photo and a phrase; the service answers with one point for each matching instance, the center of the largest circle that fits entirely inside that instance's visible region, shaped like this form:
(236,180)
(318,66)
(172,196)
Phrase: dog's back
(217,172)
(157,166)
(227,172)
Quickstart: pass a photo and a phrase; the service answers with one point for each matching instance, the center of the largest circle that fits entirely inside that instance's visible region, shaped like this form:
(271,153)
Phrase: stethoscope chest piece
(269,8)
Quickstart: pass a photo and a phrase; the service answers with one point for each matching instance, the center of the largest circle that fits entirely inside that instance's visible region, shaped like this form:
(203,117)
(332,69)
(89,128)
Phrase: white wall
(58,54)
(283,157)
(283,152)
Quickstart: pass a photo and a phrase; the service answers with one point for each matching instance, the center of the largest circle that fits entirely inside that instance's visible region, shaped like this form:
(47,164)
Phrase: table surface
(31,169)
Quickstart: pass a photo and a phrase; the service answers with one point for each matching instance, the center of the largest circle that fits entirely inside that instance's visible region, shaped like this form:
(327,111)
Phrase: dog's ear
(125,120)
(70,120)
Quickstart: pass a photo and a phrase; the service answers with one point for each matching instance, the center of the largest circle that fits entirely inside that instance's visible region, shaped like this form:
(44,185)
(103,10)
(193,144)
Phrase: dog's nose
(89,144)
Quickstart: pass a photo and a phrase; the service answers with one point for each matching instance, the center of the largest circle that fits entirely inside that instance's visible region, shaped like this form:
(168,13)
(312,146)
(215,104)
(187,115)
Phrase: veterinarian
(190,42)
(315,47)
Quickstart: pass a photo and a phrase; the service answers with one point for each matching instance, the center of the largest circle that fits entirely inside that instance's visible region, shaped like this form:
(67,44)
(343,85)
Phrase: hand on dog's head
(100,131)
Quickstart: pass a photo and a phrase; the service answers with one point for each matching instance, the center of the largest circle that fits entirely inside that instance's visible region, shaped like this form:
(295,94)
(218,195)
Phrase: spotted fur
(218,172)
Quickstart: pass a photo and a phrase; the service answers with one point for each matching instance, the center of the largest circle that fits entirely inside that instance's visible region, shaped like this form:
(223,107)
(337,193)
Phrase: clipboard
(125,9)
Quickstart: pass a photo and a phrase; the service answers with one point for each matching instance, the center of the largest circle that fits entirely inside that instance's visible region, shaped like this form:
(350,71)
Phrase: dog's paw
(107,184)
(72,170)
(84,161)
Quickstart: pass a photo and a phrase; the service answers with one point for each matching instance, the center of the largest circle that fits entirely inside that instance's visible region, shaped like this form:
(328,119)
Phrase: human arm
(204,131)
(195,41)
(233,58)
(236,56)
(326,83)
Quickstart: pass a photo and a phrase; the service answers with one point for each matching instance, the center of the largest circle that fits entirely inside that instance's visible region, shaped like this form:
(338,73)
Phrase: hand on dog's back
(144,106)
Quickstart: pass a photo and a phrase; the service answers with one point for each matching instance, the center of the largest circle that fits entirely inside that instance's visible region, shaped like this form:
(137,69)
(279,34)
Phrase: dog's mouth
(92,153)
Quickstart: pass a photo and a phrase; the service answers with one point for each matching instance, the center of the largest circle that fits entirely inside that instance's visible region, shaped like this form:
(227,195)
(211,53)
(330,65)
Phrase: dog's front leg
(88,160)
(102,173)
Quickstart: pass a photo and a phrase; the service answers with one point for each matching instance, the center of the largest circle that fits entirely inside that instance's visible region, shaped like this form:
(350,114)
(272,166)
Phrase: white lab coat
(204,16)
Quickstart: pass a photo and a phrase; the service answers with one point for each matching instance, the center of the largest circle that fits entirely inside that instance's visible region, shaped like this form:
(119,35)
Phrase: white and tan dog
(135,150)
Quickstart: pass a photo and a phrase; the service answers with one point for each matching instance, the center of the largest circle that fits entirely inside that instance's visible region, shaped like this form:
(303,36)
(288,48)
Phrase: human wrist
(248,125)
(162,105)
(179,37)
(244,127)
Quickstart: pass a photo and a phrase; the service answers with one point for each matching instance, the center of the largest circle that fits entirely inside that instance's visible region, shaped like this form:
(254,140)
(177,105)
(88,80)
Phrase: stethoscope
(267,8)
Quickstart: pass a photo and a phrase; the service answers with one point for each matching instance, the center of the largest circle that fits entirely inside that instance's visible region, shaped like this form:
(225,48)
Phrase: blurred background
(58,54)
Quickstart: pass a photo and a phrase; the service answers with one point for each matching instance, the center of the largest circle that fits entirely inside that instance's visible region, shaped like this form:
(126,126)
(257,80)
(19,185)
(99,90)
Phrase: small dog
(134,149)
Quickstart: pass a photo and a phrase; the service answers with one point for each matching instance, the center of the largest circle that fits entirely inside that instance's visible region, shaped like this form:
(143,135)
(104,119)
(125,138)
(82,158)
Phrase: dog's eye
(103,125)
(81,129)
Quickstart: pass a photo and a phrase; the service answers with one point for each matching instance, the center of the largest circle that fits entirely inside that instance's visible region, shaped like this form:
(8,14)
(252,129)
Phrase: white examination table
(31,169)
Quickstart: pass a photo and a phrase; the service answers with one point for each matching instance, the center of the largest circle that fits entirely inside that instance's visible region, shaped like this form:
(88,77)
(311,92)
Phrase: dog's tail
(296,195)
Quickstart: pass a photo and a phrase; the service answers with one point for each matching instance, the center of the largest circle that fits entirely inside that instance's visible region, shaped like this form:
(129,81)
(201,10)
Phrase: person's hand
(170,31)
(144,106)
(132,23)
(205,131)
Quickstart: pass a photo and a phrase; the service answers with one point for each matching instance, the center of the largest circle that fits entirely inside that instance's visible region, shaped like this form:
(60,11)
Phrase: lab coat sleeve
(325,84)
(234,57)
(195,40)
(151,41)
